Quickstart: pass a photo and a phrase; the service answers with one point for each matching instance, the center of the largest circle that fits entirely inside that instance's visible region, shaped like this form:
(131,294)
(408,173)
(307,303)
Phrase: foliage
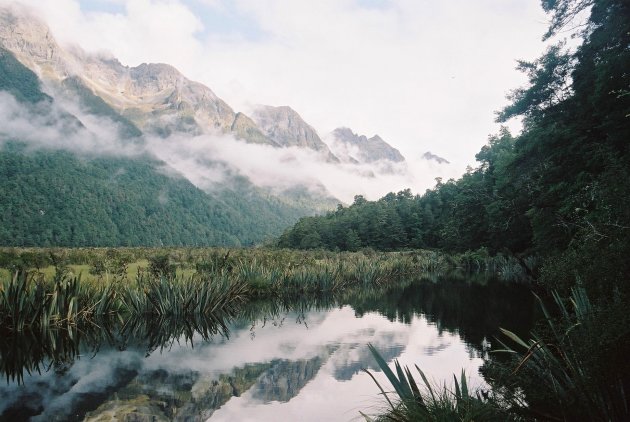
(47,289)
(54,198)
(427,403)
(18,80)
(558,191)
(47,300)
(455,216)
(570,370)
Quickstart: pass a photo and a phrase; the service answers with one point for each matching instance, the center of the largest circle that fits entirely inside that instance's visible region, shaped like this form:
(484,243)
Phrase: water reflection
(283,359)
(475,311)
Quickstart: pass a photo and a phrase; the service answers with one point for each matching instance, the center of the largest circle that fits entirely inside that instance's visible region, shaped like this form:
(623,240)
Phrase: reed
(26,301)
(182,282)
(424,402)
(30,303)
(559,373)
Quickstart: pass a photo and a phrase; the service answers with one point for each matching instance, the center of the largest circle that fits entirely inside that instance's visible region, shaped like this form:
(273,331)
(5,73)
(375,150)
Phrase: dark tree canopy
(559,190)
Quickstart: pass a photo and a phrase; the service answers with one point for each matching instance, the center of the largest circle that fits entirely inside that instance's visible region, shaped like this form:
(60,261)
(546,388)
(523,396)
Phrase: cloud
(137,31)
(212,161)
(281,169)
(424,75)
(47,125)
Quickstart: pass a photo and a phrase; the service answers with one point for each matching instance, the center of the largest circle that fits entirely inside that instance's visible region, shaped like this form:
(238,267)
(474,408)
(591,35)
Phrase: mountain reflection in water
(278,360)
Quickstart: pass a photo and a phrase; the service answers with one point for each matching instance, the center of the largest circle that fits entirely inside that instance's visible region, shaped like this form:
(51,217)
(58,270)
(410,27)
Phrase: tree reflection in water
(48,372)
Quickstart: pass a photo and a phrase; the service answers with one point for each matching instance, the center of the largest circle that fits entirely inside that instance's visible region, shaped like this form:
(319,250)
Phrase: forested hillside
(55,198)
(59,197)
(559,190)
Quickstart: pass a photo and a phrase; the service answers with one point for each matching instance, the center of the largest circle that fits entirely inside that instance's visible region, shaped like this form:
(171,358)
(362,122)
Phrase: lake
(277,360)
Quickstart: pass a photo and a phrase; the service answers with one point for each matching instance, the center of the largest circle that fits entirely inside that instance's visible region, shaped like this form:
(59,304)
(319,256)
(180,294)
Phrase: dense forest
(559,189)
(56,197)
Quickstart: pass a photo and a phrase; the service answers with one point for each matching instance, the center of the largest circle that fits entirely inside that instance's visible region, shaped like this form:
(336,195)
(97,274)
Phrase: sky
(424,75)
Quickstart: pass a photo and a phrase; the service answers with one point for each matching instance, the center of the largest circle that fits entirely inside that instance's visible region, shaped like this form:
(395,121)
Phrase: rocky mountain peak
(155,97)
(26,36)
(363,149)
(287,128)
(432,157)
(244,128)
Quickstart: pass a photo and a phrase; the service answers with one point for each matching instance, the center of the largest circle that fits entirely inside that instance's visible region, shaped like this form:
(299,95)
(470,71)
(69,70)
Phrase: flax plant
(424,402)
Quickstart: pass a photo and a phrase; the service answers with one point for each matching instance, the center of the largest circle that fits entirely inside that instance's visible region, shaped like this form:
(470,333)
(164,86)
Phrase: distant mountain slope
(429,156)
(363,149)
(56,198)
(19,81)
(154,97)
(51,196)
(74,89)
(287,128)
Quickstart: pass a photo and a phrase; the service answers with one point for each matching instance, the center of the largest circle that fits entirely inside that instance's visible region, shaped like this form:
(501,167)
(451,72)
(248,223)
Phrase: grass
(55,287)
(567,372)
(413,401)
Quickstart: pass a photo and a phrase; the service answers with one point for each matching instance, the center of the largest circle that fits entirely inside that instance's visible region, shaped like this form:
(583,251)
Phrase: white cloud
(211,161)
(424,75)
(160,31)
(49,126)
(199,158)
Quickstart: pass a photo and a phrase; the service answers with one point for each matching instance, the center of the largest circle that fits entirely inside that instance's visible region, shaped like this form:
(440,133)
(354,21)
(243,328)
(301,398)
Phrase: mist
(212,161)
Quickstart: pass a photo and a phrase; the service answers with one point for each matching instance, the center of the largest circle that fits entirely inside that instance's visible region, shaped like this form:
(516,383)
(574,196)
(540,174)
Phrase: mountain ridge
(286,127)
(367,150)
(52,195)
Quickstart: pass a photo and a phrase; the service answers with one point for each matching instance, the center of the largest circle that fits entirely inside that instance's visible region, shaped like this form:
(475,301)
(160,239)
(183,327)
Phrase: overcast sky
(425,75)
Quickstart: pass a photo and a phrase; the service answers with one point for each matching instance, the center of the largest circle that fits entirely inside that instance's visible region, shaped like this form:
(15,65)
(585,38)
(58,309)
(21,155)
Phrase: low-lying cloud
(46,125)
(212,161)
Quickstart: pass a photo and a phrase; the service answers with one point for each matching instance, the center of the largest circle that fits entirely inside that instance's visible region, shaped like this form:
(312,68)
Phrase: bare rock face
(32,42)
(287,128)
(432,157)
(156,98)
(360,148)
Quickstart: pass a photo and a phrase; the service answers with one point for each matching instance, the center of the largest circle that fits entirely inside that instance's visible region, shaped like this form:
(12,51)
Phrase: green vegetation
(54,198)
(558,192)
(427,403)
(30,302)
(557,375)
(551,205)
(183,283)
(174,293)
(18,80)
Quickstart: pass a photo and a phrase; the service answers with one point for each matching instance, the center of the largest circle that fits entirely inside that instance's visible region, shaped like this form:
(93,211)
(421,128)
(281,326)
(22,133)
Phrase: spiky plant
(424,402)
(557,377)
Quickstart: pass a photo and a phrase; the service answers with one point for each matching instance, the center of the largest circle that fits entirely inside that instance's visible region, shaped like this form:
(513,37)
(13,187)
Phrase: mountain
(55,197)
(154,97)
(361,149)
(68,181)
(286,127)
(432,157)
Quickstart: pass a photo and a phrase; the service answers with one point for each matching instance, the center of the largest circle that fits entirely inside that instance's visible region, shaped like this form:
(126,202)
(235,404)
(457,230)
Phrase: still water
(282,361)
